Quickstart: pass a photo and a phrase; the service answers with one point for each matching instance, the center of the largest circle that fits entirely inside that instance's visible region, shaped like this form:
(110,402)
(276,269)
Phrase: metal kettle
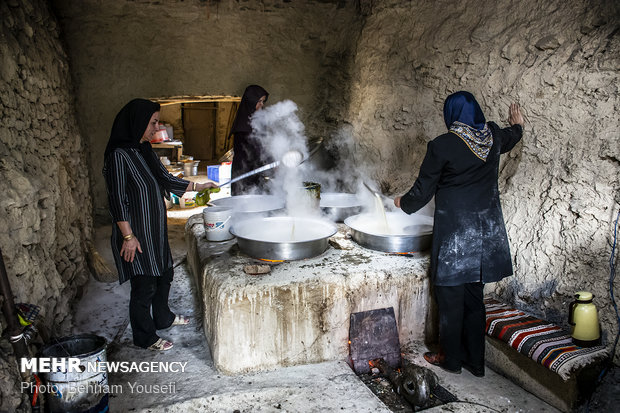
(583,318)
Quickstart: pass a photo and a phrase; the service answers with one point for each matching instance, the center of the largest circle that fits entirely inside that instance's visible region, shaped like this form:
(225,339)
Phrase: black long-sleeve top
(470,243)
(248,155)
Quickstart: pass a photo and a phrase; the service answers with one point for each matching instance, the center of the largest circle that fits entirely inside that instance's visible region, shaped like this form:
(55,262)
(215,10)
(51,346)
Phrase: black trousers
(462,322)
(149,292)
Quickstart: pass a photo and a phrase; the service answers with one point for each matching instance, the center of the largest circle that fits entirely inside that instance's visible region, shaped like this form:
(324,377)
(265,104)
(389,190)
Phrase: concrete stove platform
(299,312)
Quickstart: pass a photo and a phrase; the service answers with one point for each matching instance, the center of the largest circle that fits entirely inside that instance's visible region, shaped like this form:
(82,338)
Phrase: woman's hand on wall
(128,250)
(514,115)
(397,201)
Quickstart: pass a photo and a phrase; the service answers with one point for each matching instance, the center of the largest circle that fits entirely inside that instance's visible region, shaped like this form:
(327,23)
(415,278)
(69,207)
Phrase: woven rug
(538,339)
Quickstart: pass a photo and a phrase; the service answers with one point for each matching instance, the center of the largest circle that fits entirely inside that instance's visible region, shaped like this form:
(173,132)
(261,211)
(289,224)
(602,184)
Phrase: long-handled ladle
(291,159)
(379,195)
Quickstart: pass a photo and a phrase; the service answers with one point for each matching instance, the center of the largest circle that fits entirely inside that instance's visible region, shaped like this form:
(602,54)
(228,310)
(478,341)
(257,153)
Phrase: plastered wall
(560,186)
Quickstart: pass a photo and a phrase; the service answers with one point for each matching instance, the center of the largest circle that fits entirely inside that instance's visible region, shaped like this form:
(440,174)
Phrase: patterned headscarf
(465,119)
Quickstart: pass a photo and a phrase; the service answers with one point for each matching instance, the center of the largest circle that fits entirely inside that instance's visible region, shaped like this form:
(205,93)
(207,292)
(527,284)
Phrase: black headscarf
(247,107)
(127,130)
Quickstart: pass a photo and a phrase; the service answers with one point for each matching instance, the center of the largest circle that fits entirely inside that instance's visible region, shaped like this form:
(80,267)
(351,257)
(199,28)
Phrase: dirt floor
(328,386)
(606,396)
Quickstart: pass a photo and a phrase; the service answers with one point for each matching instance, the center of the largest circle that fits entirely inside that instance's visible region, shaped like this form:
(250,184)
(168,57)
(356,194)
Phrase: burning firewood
(413,382)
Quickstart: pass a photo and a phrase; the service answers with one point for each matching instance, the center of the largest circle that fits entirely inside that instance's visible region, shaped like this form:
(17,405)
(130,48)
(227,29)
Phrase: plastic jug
(583,318)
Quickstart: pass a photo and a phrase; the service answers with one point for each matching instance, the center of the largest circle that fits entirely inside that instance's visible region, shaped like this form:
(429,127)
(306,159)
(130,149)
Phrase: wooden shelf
(177,148)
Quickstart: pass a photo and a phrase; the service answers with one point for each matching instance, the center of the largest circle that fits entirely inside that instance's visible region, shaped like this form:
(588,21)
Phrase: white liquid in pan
(395,224)
(293,230)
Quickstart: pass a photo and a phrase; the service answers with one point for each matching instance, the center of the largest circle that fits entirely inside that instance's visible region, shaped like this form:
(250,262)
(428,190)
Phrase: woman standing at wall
(136,183)
(470,245)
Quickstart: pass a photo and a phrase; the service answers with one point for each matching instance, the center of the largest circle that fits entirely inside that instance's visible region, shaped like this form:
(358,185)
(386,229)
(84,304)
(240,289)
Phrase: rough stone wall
(45,204)
(387,82)
(560,187)
(122,49)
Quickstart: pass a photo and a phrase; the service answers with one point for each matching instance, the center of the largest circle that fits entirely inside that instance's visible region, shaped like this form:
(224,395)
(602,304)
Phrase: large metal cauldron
(283,238)
(338,206)
(404,233)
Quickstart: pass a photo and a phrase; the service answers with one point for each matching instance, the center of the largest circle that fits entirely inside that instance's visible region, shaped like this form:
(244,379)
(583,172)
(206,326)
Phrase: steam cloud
(279,130)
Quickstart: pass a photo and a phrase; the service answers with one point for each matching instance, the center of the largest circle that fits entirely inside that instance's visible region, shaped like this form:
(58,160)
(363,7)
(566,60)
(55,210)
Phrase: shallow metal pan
(338,206)
(407,233)
(248,206)
(283,238)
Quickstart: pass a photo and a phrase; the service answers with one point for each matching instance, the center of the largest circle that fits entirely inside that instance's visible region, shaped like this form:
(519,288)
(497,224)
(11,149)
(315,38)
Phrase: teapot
(583,318)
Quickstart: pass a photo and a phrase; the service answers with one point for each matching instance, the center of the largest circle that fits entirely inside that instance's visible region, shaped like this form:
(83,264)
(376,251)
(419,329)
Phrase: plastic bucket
(217,223)
(83,391)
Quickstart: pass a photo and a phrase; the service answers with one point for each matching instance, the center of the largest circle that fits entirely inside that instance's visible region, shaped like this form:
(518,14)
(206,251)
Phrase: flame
(403,253)
(266,260)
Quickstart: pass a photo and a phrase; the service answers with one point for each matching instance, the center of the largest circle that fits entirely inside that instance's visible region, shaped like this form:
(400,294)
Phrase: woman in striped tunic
(136,183)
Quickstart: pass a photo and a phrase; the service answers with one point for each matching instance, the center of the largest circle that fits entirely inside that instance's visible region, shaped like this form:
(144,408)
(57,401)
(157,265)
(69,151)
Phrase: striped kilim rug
(538,339)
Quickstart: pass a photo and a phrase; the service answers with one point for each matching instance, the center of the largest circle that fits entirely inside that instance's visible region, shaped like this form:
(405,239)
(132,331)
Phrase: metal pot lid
(251,203)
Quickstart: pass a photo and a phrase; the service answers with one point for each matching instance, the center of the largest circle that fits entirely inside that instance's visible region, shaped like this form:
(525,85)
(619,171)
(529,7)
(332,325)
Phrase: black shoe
(476,371)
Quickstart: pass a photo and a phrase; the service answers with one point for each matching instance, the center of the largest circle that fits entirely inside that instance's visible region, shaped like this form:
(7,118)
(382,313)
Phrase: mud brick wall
(45,204)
